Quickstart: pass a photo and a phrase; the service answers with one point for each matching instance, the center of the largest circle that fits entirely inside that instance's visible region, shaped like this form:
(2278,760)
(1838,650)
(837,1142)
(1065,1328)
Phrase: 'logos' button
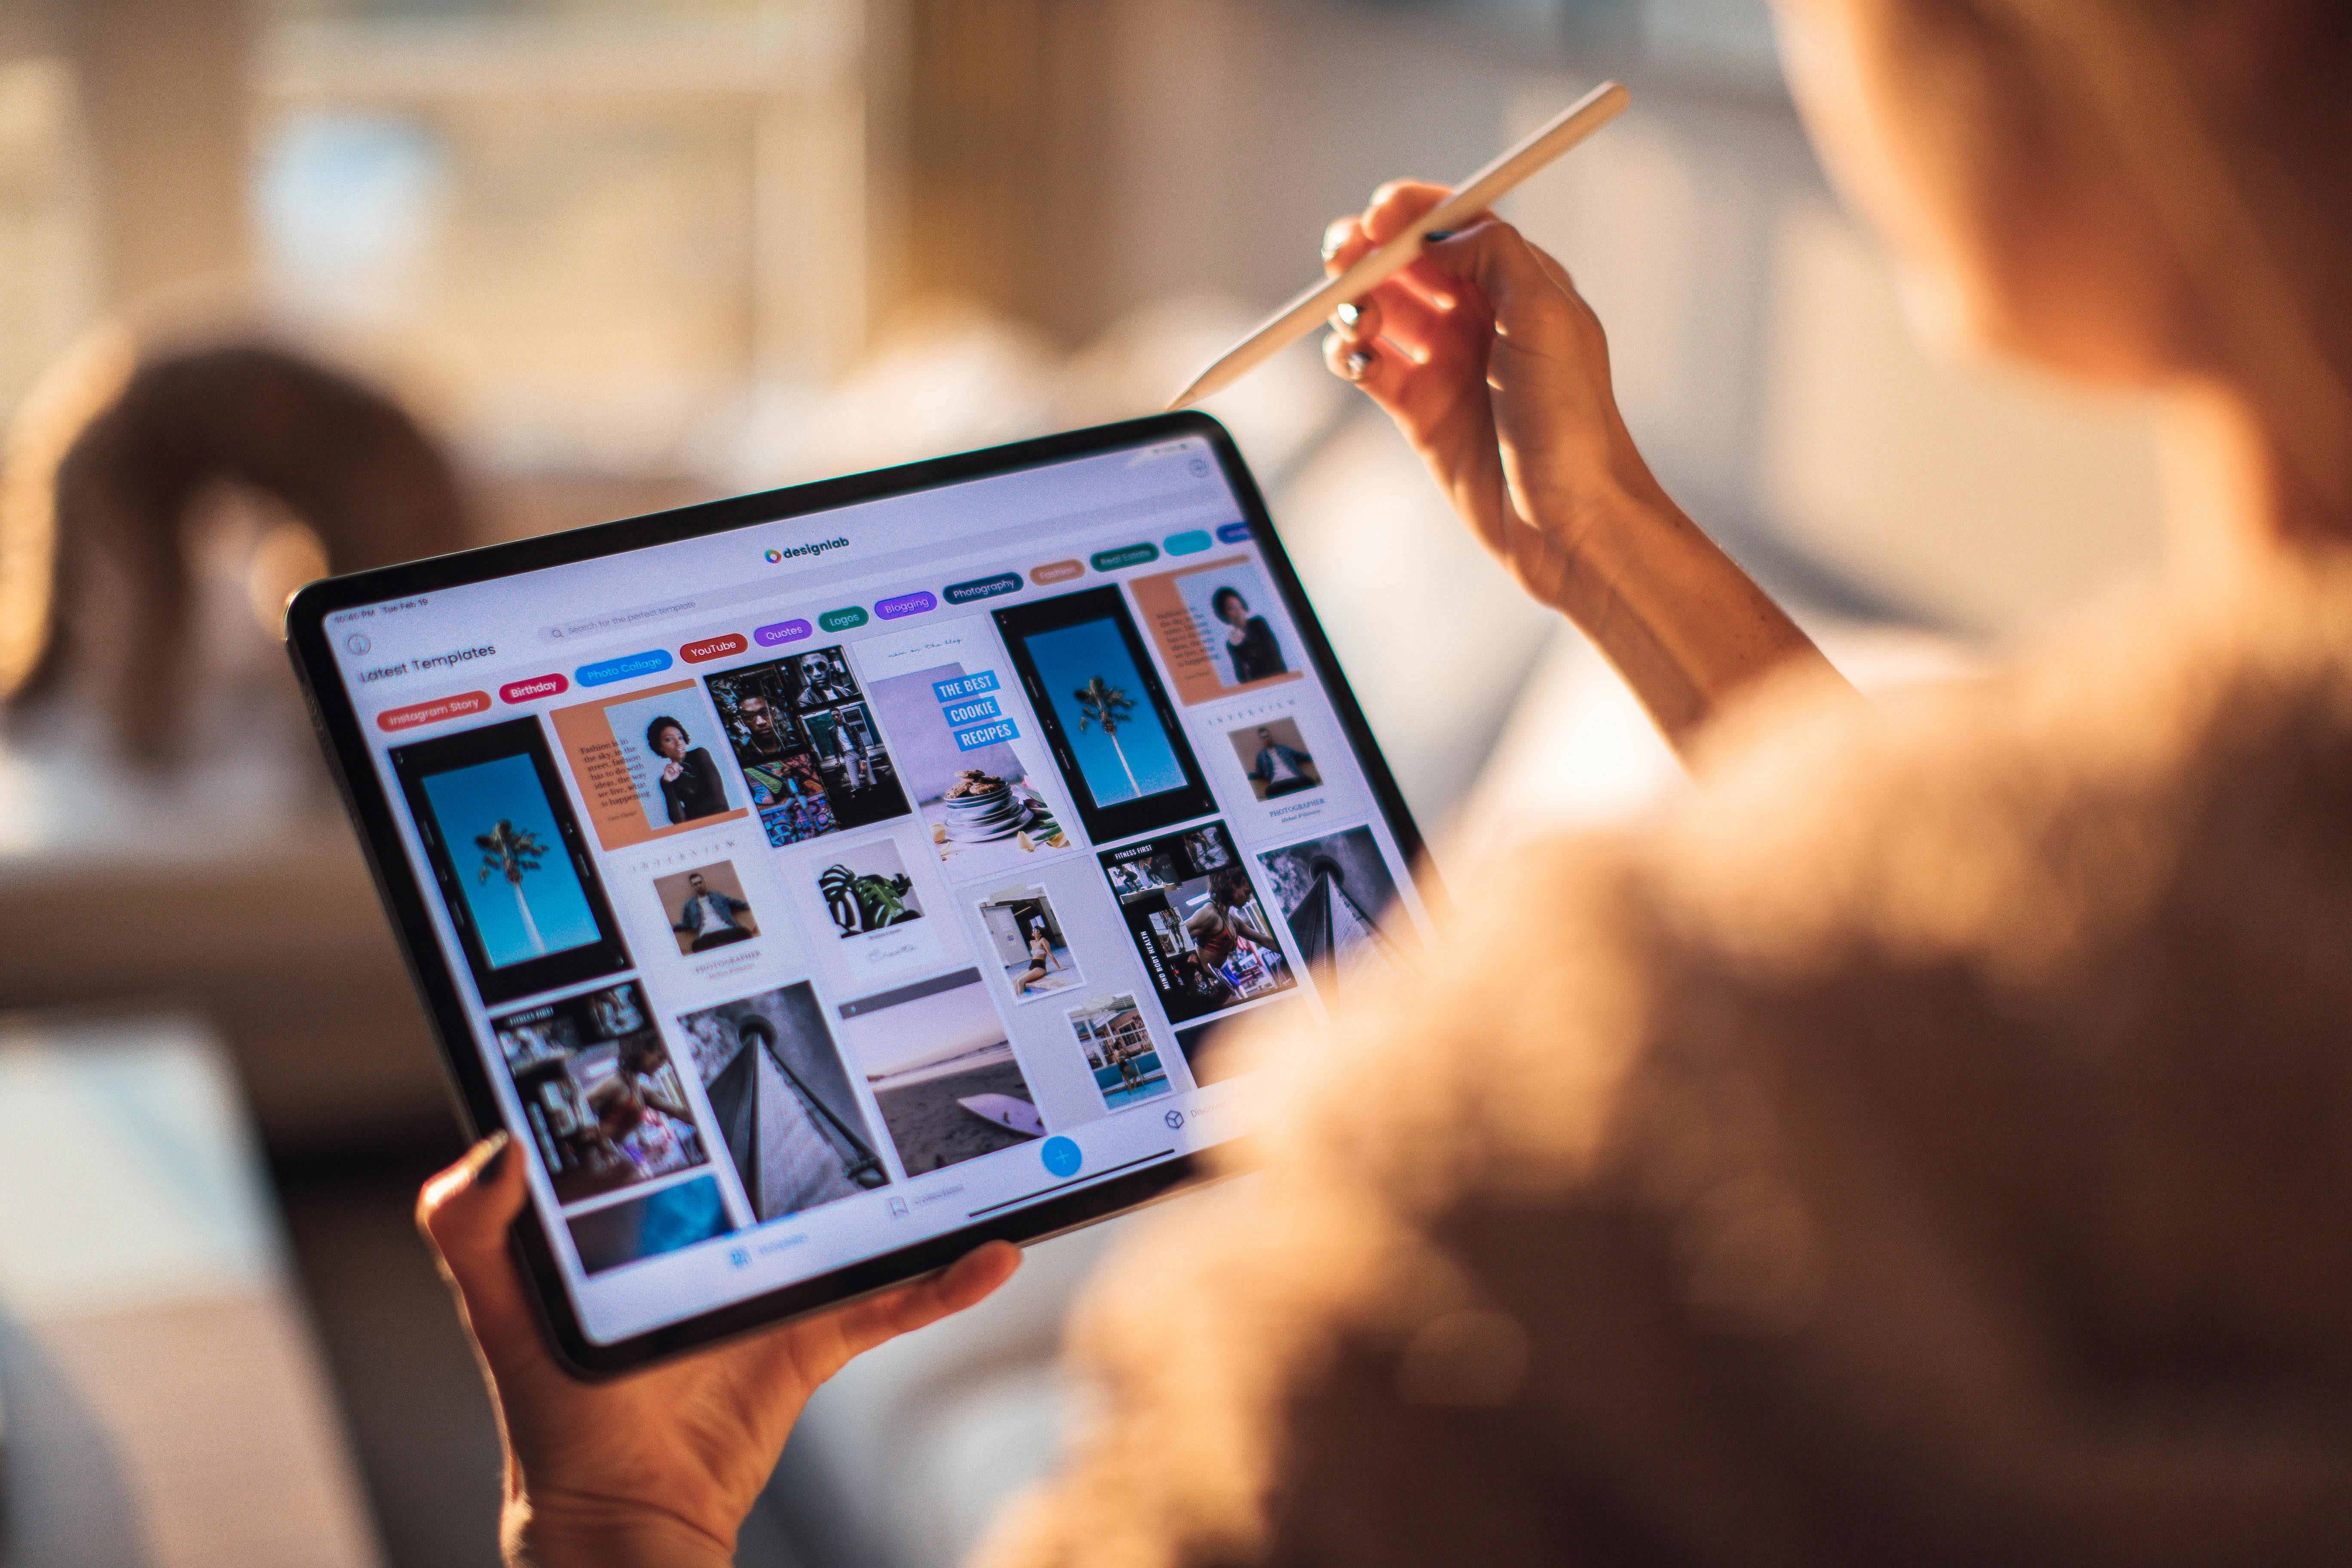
(1062,1157)
(841,620)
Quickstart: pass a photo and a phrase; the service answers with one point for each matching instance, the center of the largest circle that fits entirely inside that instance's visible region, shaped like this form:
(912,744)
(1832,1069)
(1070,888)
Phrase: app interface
(827,885)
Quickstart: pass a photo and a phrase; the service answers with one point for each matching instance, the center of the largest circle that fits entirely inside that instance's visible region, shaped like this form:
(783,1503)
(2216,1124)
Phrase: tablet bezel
(1087,1199)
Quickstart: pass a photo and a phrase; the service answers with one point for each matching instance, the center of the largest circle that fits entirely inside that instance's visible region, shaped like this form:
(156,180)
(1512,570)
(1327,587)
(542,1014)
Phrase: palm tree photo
(510,851)
(1109,706)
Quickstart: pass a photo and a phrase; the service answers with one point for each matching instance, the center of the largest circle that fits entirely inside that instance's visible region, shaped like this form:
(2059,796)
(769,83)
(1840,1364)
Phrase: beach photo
(783,1102)
(941,1070)
(1120,1051)
(1025,936)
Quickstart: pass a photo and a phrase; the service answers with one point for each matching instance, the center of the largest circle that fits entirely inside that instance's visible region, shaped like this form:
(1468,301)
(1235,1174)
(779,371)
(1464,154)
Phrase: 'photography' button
(433,712)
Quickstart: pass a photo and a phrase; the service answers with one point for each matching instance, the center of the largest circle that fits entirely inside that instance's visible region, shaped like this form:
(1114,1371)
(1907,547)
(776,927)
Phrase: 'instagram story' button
(433,712)
(531,690)
(781,632)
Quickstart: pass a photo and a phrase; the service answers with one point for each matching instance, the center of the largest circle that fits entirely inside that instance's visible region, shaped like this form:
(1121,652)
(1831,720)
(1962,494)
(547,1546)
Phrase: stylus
(1475,194)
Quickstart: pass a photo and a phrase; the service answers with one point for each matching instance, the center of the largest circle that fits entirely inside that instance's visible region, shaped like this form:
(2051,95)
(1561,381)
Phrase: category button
(1191,543)
(433,712)
(906,604)
(1234,533)
(713,647)
(605,671)
(983,588)
(531,690)
(841,620)
(1056,571)
(781,632)
(1125,555)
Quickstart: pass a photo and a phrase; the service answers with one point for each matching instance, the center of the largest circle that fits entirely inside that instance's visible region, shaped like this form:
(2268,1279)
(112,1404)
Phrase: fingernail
(1333,237)
(1360,364)
(1435,235)
(1346,315)
(491,1157)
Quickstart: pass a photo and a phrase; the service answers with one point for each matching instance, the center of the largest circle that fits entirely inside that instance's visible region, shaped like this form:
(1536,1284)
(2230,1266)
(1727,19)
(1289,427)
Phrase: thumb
(465,1214)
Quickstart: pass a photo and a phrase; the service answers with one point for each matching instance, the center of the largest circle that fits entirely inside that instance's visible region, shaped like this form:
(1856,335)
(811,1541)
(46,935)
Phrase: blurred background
(289,286)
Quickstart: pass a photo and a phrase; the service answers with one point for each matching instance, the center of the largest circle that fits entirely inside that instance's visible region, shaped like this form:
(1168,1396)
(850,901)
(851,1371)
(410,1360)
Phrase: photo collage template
(1196,921)
(805,739)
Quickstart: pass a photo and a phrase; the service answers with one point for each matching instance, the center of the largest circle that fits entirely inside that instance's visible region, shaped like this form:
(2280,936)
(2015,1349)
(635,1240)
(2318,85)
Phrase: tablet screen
(821,886)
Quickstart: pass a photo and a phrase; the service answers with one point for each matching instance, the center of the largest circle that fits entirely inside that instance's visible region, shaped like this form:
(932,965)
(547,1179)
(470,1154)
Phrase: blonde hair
(2248,177)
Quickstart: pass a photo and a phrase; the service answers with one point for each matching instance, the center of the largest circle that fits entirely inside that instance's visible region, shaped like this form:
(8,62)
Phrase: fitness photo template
(514,874)
(1113,731)
(1197,923)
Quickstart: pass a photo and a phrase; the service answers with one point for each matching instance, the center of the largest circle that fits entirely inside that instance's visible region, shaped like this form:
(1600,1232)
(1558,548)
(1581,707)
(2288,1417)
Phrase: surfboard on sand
(1018,1115)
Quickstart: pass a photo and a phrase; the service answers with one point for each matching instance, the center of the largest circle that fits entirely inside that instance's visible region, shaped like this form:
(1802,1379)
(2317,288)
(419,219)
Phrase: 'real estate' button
(1056,571)
(906,604)
(1125,555)
(433,712)
(531,690)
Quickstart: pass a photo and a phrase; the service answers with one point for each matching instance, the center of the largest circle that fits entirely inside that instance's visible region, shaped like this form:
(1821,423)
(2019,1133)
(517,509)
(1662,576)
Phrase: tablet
(820,883)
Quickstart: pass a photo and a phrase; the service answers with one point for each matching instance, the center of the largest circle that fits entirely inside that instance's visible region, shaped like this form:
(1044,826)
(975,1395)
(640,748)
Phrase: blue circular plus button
(1062,1157)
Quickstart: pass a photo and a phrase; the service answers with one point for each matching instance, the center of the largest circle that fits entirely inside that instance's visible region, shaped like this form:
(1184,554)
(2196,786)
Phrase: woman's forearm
(1687,628)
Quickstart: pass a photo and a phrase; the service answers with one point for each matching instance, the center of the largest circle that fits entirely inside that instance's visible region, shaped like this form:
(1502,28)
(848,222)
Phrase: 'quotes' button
(433,712)
(531,690)
(712,647)
(780,632)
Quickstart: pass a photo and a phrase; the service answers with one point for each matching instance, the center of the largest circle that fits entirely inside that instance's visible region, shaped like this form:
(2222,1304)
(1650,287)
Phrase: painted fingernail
(494,1156)
(1334,236)
(1435,235)
(1360,364)
(1346,315)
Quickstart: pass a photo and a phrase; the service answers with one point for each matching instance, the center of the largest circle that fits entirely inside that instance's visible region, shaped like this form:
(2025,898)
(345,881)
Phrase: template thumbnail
(935,1056)
(1113,731)
(1196,921)
(1340,902)
(783,1102)
(517,878)
(1274,758)
(650,1225)
(867,888)
(1120,1051)
(643,764)
(1203,1044)
(1027,937)
(707,908)
(805,740)
(602,1096)
(982,807)
(1215,624)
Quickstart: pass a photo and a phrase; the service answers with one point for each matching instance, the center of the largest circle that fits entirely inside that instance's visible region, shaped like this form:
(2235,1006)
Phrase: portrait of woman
(1249,641)
(691,784)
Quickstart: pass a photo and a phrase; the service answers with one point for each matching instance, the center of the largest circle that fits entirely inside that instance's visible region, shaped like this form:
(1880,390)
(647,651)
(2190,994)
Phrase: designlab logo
(814,547)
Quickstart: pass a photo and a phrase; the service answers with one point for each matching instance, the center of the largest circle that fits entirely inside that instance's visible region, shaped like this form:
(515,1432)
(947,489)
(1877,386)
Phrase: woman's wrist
(600,1534)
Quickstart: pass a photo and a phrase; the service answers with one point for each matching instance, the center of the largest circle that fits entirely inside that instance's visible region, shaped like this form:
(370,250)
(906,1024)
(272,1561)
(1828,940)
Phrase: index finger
(1395,205)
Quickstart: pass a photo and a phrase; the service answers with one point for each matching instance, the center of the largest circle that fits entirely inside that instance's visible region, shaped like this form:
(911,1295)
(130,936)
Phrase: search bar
(800,584)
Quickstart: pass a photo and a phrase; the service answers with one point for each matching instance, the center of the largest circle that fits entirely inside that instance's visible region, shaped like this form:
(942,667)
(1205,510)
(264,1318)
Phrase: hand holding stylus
(1497,371)
(658,1467)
